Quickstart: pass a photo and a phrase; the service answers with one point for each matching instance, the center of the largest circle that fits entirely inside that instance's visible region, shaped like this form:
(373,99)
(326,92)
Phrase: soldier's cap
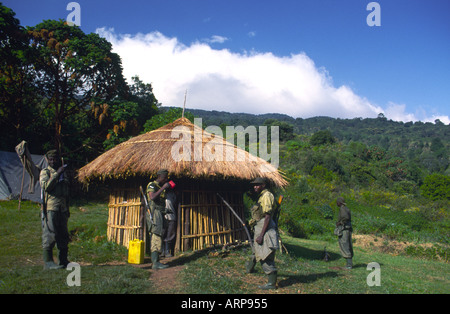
(340,200)
(51,153)
(162,172)
(258,181)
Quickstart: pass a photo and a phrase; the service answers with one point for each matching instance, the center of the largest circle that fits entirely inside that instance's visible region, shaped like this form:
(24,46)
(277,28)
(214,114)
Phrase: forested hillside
(394,175)
(421,145)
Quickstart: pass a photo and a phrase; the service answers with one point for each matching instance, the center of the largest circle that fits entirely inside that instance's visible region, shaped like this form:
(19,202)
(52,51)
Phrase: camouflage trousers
(156,243)
(268,264)
(345,244)
(54,230)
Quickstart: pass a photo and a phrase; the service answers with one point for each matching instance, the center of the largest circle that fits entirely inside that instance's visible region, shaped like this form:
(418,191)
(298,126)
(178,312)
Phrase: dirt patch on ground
(384,245)
(166,280)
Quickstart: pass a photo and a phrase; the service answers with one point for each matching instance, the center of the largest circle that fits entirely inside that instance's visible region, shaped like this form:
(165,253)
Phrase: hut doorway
(203,220)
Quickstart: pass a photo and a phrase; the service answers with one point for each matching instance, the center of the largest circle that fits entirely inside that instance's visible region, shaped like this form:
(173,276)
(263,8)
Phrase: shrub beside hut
(202,218)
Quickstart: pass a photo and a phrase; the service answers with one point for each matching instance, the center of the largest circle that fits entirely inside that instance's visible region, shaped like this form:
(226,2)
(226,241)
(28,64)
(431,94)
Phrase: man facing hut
(266,237)
(170,232)
(156,191)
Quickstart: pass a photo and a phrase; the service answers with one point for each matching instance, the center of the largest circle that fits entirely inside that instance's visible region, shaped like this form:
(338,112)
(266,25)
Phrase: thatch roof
(145,154)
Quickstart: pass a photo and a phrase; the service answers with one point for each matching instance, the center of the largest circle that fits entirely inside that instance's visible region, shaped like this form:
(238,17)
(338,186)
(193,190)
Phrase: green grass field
(21,266)
(104,269)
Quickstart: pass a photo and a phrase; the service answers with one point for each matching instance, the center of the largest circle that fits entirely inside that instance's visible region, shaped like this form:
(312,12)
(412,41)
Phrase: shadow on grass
(295,279)
(310,254)
(184,259)
(189,257)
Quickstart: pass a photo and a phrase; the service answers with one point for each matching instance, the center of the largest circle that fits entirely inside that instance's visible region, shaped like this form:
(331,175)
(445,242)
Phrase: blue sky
(299,57)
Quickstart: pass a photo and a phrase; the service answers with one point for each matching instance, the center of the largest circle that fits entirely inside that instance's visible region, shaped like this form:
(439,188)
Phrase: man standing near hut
(171,227)
(266,237)
(55,211)
(156,192)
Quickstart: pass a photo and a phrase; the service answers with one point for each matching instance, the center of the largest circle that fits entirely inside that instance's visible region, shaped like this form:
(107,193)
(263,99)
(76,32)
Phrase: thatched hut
(197,162)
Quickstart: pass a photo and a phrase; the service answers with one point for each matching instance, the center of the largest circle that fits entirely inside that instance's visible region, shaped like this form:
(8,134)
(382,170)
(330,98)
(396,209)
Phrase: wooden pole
(238,218)
(184,104)
(187,228)
(177,241)
(23,177)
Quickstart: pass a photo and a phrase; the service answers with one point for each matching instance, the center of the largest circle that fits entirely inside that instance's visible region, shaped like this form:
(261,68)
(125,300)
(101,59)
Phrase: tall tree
(142,94)
(125,117)
(16,91)
(73,69)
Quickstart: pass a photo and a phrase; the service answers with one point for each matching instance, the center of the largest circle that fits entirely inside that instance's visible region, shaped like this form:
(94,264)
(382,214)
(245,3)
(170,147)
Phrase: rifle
(44,204)
(277,214)
(276,218)
(326,256)
(146,204)
(240,220)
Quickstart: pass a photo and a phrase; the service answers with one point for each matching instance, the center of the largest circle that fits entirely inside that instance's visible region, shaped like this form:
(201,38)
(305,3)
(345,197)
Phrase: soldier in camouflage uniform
(170,231)
(266,237)
(55,211)
(344,223)
(156,192)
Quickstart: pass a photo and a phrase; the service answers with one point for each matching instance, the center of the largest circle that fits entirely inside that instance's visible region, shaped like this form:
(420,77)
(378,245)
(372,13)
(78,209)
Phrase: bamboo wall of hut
(202,219)
(125,217)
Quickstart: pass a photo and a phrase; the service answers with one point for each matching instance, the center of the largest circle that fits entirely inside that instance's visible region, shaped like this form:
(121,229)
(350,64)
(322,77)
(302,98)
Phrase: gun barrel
(146,204)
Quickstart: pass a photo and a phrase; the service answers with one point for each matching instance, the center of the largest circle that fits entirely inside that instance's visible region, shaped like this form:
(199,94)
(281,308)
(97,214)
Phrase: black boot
(349,263)
(156,263)
(168,251)
(272,282)
(63,261)
(48,260)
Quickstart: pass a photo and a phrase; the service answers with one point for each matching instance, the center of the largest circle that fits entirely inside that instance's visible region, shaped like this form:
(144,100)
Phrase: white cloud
(238,82)
(397,112)
(216,39)
(443,119)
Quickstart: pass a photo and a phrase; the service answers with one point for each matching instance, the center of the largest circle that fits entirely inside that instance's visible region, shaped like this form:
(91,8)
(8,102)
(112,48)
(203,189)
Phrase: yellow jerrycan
(136,250)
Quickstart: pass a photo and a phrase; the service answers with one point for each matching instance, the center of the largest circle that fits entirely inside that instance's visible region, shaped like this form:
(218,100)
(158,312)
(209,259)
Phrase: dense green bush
(436,187)
(435,252)
(309,211)
(322,137)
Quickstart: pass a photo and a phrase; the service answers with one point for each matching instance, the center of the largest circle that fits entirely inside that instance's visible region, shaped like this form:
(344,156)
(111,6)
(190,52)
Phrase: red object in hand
(172,184)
